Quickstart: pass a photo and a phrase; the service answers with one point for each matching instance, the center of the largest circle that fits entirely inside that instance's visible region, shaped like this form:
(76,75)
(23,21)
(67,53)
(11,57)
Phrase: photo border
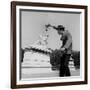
(13,44)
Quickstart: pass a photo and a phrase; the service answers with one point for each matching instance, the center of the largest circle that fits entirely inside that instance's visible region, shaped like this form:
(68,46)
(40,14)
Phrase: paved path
(43,72)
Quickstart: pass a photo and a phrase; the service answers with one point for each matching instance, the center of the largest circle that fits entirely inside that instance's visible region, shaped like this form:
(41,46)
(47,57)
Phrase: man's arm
(49,25)
(55,27)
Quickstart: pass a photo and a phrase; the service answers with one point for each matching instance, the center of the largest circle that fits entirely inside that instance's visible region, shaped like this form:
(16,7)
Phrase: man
(66,48)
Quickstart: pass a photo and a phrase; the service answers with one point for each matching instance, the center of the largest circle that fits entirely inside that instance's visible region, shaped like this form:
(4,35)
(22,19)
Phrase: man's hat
(59,27)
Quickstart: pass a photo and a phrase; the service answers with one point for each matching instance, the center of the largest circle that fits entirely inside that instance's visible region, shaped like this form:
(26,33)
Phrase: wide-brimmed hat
(59,27)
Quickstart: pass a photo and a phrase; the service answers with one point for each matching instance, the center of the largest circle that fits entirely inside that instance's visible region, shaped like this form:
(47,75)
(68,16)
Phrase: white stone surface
(43,73)
(36,59)
(38,73)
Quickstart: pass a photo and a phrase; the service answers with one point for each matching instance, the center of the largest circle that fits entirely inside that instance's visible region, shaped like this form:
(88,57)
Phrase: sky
(33,24)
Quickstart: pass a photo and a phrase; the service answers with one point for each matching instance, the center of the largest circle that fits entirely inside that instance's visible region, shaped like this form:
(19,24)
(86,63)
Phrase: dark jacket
(67,42)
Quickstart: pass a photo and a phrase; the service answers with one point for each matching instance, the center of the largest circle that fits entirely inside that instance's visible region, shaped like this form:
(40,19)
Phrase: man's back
(67,41)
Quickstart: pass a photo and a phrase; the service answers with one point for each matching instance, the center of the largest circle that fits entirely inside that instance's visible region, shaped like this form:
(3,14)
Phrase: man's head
(60,29)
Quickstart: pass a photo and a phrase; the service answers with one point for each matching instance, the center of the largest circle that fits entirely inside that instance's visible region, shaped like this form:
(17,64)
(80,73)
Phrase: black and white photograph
(49,44)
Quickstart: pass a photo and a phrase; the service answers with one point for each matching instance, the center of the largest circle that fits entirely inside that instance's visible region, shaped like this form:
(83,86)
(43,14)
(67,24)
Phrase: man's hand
(62,49)
(48,25)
